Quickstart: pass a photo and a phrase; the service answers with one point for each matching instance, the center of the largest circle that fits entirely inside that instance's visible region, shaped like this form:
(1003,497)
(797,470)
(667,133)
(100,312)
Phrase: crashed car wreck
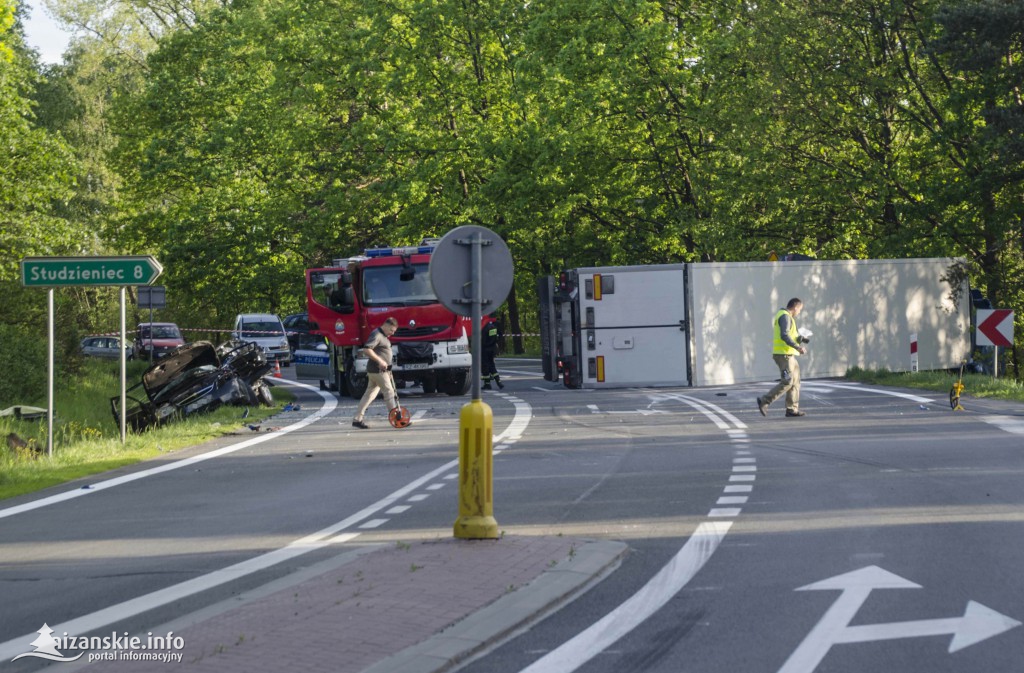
(196,378)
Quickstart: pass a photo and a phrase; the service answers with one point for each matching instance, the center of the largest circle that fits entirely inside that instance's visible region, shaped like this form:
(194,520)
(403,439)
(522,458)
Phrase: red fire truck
(354,296)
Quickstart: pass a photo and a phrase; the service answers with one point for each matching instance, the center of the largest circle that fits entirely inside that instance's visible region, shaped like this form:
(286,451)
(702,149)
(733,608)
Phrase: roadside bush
(22,367)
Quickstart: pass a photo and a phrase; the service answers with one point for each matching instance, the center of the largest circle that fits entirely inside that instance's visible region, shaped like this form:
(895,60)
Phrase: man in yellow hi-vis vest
(786,347)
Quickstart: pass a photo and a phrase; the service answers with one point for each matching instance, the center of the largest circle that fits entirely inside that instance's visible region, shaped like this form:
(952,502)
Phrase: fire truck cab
(354,296)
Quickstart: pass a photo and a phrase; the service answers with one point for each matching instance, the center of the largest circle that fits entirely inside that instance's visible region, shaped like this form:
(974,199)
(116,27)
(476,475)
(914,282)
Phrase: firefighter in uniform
(489,349)
(787,345)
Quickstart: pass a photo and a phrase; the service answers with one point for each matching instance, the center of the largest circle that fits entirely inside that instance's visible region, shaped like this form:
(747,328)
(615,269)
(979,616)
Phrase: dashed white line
(675,575)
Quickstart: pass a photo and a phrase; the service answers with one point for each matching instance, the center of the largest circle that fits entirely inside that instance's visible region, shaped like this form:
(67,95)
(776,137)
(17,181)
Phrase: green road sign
(60,271)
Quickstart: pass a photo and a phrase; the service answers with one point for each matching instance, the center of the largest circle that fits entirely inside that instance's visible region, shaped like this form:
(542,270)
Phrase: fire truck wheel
(456,384)
(355,383)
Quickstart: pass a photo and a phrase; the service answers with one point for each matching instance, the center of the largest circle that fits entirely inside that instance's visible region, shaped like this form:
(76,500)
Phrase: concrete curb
(511,614)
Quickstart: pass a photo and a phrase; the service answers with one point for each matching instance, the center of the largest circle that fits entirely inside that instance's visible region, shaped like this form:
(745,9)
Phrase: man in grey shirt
(378,349)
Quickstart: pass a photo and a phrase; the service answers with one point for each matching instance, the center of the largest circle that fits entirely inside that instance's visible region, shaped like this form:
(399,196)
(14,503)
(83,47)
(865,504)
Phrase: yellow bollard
(476,495)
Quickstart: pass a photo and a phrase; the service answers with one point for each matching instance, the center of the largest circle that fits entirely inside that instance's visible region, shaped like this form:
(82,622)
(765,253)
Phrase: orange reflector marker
(597,287)
(600,369)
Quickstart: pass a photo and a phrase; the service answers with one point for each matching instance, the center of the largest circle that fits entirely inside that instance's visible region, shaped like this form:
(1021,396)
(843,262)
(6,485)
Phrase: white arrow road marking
(977,624)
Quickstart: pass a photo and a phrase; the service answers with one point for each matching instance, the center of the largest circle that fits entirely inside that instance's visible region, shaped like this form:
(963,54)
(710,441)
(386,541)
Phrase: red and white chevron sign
(995,327)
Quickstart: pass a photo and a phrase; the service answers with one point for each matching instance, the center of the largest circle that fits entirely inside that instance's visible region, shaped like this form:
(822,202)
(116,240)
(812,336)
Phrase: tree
(983,42)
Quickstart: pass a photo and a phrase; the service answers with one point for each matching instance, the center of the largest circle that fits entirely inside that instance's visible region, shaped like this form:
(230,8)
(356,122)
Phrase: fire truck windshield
(383,286)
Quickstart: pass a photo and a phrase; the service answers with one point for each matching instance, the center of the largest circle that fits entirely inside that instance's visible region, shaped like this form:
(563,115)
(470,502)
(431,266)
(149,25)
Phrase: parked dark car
(196,378)
(296,325)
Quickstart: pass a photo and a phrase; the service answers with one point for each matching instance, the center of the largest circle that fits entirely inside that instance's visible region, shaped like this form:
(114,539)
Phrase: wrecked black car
(196,378)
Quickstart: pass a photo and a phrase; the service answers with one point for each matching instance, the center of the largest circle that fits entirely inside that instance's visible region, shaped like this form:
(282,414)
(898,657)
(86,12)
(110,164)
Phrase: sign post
(51,272)
(461,285)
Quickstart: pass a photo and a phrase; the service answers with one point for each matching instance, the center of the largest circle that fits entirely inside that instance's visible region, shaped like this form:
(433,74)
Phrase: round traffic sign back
(452,274)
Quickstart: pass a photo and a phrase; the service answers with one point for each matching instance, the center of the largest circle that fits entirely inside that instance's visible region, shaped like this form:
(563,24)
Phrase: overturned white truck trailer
(711,324)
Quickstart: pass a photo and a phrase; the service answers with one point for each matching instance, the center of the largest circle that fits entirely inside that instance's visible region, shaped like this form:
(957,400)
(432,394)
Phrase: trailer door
(633,326)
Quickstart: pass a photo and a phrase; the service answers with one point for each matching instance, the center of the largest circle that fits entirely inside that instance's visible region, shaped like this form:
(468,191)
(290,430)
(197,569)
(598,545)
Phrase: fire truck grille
(419,332)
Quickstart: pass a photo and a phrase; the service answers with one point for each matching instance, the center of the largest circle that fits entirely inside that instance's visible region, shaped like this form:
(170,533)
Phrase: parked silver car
(102,347)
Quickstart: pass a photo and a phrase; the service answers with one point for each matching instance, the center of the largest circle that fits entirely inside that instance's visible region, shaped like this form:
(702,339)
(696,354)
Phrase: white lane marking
(742,477)
(732,500)
(744,488)
(744,468)
(536,375)
(418,415)
(738,461)
(876,391)
(1006,423)
(329,405)
(434,487)
(669,581)
(374,523)
(326,536)
(655,594)
(398,509)
(419,498)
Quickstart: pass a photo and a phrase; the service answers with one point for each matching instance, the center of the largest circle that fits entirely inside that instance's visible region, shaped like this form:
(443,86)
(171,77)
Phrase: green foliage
(975,385)
(86,437)
(243,142)
(23,363)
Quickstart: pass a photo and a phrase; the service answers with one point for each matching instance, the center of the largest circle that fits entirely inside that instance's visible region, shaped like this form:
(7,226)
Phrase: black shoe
(360,425)
(501,386)
(762,407)
(794,414)
(487,386)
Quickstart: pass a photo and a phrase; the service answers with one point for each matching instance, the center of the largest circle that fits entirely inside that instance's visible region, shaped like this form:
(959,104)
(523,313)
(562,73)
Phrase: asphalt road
(879,532)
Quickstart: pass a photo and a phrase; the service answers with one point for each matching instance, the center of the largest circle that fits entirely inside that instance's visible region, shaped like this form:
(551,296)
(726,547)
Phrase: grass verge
(975,385)
(87,440)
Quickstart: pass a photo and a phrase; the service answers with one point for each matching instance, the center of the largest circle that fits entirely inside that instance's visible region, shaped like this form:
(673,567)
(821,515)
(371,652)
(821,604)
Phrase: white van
(267,330)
